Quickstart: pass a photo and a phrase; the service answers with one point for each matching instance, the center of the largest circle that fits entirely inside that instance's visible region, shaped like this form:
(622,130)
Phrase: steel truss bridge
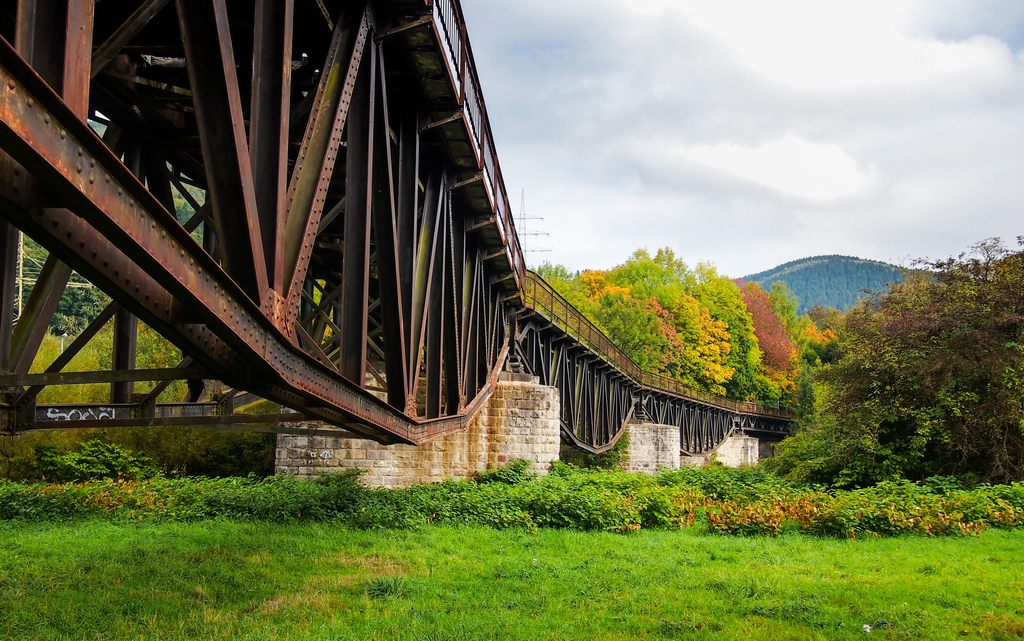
(304,197)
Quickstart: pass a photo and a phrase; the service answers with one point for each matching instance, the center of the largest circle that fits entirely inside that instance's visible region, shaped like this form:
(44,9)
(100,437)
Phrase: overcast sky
(750,132)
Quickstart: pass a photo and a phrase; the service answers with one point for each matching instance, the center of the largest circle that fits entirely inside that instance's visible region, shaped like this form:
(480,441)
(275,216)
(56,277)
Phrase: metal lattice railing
(450,27)
(539,296)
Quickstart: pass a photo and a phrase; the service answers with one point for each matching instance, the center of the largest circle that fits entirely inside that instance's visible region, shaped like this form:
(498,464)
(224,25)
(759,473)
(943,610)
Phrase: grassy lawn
(230,580)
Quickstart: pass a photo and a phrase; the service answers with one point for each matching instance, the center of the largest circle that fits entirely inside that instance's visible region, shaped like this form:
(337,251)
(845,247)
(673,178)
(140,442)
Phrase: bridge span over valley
(304,197)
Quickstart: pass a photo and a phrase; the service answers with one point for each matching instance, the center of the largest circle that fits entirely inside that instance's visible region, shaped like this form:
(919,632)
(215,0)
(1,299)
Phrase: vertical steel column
(65,64)
(126,325)
(408,216)
(126,332)
(268,131)
(355,272)
(436,316)
(8,273)
(451,357)
(385,235)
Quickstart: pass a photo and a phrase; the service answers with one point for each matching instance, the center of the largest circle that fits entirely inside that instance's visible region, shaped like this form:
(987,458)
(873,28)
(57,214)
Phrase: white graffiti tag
(80,414)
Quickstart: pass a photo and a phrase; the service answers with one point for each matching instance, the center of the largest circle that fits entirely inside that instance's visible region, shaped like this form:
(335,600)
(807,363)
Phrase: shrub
(728,501)
(514,473)
(94,460)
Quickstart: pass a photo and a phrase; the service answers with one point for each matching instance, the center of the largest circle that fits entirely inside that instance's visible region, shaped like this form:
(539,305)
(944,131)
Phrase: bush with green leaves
(94,460)
(722,500)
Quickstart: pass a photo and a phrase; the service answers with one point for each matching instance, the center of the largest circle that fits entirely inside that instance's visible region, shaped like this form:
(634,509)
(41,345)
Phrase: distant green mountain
(830,281)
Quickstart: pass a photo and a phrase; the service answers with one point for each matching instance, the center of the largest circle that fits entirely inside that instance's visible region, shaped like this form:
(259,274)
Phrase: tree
(725,303)
(930,379)
(642,329)
(706,346)
(772,335)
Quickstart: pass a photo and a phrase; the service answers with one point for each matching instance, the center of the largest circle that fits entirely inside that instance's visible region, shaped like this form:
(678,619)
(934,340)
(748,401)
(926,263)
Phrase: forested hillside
(830,281)
(697,326)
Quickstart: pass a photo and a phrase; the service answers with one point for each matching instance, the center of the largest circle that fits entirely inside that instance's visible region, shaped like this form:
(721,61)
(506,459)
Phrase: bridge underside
(341,242)
(302,197)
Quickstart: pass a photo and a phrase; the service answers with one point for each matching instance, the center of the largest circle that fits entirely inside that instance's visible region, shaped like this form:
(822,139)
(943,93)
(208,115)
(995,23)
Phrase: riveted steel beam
(163,271)
(314,166)
(206,35)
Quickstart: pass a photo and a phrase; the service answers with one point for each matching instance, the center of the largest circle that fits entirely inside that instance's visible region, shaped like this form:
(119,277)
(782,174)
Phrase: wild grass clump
(387,587)
(719,499)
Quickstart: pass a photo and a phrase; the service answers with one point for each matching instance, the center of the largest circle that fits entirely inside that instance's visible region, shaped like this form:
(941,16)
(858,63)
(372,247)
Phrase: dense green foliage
(94,460)
(928,380)
(724,500)
(699,327)
(185,451)
(830,281)
(258,581)
(81,302)
(688,324)
(182,450)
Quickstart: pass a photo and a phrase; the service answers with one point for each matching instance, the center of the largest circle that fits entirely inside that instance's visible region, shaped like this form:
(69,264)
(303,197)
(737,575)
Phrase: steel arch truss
(702,428)
(597,401)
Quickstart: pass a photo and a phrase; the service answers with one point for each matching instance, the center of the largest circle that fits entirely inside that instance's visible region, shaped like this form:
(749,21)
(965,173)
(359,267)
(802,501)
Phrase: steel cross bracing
(342,243)
(602,389)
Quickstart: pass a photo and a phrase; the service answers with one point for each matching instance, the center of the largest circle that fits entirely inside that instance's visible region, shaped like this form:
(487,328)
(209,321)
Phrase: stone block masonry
(656,447)
(737,450)
(651,448)
(520,421)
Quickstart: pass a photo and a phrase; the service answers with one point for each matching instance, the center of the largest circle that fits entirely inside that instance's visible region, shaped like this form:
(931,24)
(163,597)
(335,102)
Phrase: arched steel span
(305,198)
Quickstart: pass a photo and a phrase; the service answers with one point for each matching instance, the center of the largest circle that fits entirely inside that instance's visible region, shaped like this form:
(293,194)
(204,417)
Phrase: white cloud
(791,165)
(830,45)
(750,133)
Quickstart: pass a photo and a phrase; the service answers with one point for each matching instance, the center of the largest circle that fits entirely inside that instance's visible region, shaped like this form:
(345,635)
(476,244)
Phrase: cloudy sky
(753,132)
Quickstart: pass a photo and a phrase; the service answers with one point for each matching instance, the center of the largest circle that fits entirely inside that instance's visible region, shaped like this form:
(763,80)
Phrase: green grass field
(231,580)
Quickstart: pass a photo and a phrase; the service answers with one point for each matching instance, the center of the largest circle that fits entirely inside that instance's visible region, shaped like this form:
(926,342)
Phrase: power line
(525,230)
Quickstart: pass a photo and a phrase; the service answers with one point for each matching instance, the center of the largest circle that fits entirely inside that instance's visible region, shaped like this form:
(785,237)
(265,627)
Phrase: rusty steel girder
(339,226)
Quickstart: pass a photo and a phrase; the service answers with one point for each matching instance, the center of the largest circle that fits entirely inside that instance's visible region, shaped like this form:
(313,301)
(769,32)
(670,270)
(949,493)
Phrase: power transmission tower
(524,230)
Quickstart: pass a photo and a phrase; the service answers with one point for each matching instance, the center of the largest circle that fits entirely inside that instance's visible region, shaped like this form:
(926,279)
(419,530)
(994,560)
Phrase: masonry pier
(519,421)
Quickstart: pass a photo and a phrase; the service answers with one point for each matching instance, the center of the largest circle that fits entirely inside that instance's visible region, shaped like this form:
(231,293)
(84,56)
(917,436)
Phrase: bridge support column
(519,421)
(738,449)
(651,448)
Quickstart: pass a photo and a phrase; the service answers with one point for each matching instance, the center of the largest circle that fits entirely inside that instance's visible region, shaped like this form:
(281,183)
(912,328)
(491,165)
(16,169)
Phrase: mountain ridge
(830,280)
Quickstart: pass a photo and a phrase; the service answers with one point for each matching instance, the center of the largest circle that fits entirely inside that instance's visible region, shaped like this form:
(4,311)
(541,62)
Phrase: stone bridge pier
(653,447)
(519,421)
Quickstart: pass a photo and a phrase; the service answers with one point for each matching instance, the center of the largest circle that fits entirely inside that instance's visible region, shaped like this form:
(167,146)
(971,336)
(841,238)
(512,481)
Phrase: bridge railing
(451,29)
(540,296)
